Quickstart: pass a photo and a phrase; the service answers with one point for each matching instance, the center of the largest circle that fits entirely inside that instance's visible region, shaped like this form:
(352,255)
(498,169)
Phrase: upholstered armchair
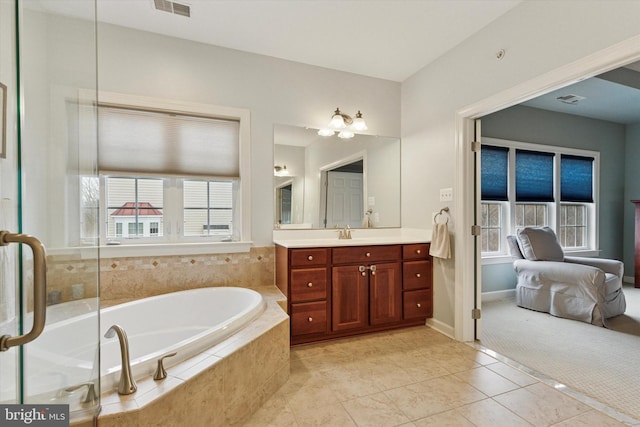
(579,288)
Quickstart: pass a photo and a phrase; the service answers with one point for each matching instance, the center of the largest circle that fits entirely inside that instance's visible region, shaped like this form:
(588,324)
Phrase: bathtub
(186,322)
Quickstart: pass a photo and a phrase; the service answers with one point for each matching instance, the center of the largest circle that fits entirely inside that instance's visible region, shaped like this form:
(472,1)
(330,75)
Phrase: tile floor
(417,377)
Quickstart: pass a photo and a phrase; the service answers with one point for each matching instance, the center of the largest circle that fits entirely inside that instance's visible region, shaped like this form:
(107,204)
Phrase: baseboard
(629,279)
(443,328)
(497,295)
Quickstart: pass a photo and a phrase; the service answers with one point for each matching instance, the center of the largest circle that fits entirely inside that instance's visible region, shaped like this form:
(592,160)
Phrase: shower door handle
(39,288)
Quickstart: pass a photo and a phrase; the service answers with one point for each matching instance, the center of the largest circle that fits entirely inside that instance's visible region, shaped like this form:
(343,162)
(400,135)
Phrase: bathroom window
(89,208)
(135,202)
(208,208)
(531,185)
(192,181)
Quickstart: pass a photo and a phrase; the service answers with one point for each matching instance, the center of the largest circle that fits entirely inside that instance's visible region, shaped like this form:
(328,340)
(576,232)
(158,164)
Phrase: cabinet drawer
(417,274)
(309,318)
(308,284)
(418,304)
(366,254)
(309,257)
(416,251)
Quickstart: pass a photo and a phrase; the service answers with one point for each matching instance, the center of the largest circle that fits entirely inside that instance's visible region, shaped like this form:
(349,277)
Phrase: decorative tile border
(130,278)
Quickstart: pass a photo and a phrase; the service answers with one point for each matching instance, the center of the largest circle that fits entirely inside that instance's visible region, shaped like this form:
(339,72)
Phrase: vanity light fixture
(280,171)
(345,124)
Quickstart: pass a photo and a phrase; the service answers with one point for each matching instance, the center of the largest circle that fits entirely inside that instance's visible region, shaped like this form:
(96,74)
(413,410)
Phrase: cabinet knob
(419,305)
(368,254)
(310,257)
(418,251)
(310,319)
(363,273)
(310,284)
(418,275)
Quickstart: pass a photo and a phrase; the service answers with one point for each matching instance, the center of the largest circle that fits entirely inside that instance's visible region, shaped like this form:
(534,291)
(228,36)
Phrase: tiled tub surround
(130,278)
(222,386)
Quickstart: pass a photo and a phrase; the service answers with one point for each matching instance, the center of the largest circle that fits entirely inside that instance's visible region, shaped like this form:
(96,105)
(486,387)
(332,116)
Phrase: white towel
(440,246)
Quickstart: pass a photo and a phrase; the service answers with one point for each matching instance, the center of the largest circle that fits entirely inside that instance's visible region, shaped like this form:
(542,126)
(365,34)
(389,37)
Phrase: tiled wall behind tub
(131,278)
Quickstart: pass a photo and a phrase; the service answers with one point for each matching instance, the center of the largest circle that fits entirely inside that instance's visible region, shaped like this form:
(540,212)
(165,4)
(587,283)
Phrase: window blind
(576,179)
(494,172)
(534,176)
(160,143)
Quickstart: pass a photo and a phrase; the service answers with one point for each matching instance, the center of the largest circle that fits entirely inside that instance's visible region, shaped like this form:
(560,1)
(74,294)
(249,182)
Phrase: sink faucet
(127,383)
(345,233)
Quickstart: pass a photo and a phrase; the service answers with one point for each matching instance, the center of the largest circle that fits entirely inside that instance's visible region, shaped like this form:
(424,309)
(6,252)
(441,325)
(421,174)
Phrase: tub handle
(39,288)
(91,397)
(160,372)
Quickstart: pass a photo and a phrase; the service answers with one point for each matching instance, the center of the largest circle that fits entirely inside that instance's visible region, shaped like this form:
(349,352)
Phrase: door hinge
(475,146)
(476,314)
(476,230)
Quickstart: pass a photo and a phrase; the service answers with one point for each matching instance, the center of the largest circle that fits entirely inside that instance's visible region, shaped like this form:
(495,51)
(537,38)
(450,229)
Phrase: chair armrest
(612,266)
(559,272)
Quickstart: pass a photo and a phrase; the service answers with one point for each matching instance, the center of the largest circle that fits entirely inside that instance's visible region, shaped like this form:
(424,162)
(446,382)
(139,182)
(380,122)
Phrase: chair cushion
(514,249)
(539,244)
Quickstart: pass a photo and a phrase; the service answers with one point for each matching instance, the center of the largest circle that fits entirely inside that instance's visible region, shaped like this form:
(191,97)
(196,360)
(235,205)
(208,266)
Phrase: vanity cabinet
(347,290)
(417,283)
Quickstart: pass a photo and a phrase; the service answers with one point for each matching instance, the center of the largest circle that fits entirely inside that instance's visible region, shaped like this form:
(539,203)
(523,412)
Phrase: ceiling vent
(173,7)
(570,99)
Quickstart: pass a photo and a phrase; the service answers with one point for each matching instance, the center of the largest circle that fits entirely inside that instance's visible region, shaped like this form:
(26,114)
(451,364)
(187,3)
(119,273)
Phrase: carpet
(601,363)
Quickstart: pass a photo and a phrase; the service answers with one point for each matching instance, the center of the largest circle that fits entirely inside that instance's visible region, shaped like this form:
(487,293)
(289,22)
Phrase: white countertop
(360,237)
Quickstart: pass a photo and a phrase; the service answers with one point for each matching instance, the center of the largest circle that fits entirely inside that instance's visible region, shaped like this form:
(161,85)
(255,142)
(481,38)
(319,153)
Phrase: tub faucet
(127,383)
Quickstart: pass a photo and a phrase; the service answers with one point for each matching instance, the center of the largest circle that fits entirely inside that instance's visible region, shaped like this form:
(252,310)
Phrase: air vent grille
(173,7)
(570,99)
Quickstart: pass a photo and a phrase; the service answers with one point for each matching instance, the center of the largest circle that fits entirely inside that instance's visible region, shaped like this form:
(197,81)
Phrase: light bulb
(358,123)
(346,134)
(337,121)
(325,132)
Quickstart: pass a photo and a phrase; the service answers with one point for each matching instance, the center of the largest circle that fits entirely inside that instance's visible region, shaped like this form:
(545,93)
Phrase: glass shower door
(53,156)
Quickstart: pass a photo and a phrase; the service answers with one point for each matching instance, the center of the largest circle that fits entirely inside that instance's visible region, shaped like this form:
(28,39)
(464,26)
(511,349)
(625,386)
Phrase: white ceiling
(388,39)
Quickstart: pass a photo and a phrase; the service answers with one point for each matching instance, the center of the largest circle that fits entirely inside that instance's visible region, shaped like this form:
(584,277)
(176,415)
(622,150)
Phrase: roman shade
(576,179)
(534,176)
(494,172)
(162,143)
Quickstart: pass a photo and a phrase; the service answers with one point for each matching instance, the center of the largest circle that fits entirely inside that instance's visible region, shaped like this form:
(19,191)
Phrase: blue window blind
(494,173)
(576,179)
(534,176)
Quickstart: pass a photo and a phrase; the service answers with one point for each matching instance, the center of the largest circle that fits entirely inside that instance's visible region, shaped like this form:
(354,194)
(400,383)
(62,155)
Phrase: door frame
(604,60)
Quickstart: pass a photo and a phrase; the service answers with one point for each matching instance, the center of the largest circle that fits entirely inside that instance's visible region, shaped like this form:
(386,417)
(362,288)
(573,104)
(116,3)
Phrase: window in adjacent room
(524,185)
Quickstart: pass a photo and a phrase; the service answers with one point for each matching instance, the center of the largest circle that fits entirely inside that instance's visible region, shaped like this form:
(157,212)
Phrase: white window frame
(242,208)
(553,212)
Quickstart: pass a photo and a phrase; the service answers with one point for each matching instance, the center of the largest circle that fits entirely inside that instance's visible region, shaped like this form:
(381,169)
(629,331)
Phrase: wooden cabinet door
(385,293)
(350,298)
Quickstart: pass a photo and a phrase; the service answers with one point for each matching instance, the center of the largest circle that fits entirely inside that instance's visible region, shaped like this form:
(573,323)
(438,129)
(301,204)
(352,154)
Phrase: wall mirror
(324,182)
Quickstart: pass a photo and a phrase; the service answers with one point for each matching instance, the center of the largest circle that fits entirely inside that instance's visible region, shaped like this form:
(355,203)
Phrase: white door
(344,199)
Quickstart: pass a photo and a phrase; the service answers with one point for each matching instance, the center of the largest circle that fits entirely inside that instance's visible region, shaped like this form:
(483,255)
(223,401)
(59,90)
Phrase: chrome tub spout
(127,383)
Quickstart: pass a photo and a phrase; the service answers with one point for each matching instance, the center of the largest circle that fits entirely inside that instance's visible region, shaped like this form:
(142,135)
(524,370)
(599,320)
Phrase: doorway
(467,276)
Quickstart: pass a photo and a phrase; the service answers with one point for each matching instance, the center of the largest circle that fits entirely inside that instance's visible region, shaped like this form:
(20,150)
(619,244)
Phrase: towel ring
(435,218)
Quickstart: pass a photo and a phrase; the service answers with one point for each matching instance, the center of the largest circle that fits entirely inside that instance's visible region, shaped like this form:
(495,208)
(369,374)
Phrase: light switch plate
(446,194)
